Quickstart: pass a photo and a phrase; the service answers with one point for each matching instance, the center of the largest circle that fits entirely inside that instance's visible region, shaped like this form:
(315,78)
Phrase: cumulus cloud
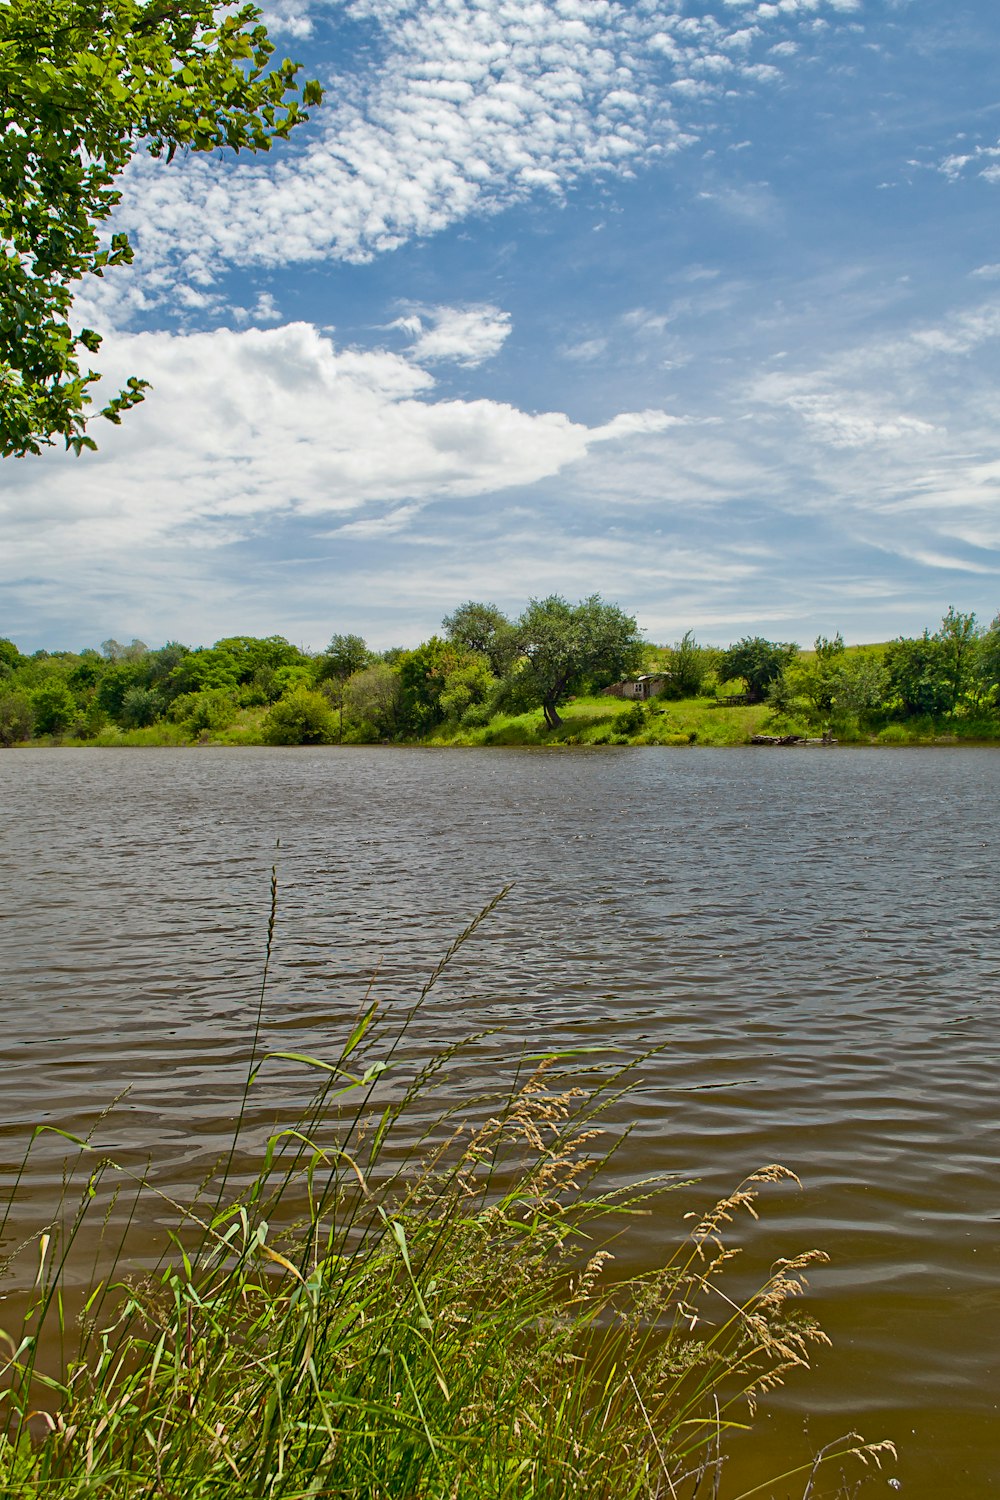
(288,18)
(465,335)
(461,107)
(279,482)
(264,310)
(246,426)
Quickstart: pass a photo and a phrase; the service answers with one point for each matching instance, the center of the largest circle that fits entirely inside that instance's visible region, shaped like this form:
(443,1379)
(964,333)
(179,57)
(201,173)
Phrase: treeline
(950,674)
(246,689)
(282,695)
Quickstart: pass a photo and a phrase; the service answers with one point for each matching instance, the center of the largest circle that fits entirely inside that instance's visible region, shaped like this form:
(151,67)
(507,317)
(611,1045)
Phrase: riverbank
(595,721)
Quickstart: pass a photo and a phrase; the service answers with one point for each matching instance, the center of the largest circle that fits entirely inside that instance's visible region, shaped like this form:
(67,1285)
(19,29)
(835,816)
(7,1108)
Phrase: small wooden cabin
(646,685)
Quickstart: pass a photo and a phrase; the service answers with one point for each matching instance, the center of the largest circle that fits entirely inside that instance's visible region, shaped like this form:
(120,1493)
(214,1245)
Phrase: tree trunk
(552,719)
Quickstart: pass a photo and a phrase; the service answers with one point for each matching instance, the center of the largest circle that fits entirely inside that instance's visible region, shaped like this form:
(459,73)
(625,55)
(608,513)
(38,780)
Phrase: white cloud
(287,17)
(376,526)
(980,161)
(264,310)
(586,350)
(245,426)
(275,482)
(466,335)
(641,320)
(842,417)
(469,106)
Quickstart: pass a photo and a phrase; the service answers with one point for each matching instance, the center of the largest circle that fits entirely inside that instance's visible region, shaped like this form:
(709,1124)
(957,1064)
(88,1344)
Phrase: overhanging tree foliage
(83,84)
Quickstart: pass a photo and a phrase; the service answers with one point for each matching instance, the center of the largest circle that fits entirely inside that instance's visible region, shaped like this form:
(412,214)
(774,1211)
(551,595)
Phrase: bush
(16,719)
(303,718)
(212,709)
(477,715)
(54,708)
(631,720)
(91,722)
(140,708)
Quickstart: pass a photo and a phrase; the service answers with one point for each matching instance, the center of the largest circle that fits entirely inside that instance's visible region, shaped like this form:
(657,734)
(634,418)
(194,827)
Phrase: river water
(810,936)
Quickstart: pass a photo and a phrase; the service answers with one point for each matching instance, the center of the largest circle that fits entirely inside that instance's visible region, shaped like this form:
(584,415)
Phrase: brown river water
(810,936)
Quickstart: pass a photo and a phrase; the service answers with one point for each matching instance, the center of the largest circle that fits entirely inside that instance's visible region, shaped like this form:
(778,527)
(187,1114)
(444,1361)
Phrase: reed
(398,1302)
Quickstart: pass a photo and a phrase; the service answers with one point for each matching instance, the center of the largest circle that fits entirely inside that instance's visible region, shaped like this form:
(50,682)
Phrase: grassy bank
(609,721)
(601,721)
(399,1302)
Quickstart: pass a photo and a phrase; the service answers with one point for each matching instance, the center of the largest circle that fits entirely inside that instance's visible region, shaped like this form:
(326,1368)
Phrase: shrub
(16,719)
(91,722)
(477,715)
(54,708)
(302,718)
(631,720)
(212,709)
(140,708)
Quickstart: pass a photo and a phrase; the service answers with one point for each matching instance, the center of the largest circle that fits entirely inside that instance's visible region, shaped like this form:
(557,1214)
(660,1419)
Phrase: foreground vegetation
(541,679)
(396,1302)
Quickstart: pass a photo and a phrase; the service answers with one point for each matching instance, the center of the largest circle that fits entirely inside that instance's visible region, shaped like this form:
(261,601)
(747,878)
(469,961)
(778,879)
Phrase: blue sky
(694,305)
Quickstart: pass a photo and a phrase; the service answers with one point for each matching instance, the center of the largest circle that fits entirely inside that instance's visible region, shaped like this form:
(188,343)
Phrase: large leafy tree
(919,673)
(561,644)
(345,655)
(959,636)
(486,630)
(84,84)
(757,662)
(689,665)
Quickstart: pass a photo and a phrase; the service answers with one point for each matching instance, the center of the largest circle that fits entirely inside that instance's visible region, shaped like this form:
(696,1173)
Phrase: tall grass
(399,1302)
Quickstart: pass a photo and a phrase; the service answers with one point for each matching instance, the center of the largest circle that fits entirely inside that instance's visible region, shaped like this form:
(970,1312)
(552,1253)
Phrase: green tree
(163,662)
(958,635)
(372,702)
(920,675)
(817,680)
(469,684)
(214,709)
(689,664)
(345,655)
(987,664)
(422,676)
(84,83)
(757,663)
(16,719)
(560,644)
(85,676)
(202,670)
(118,680)
(140,708)
(486,630)
(302,718)
(54,707)
(860,688)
